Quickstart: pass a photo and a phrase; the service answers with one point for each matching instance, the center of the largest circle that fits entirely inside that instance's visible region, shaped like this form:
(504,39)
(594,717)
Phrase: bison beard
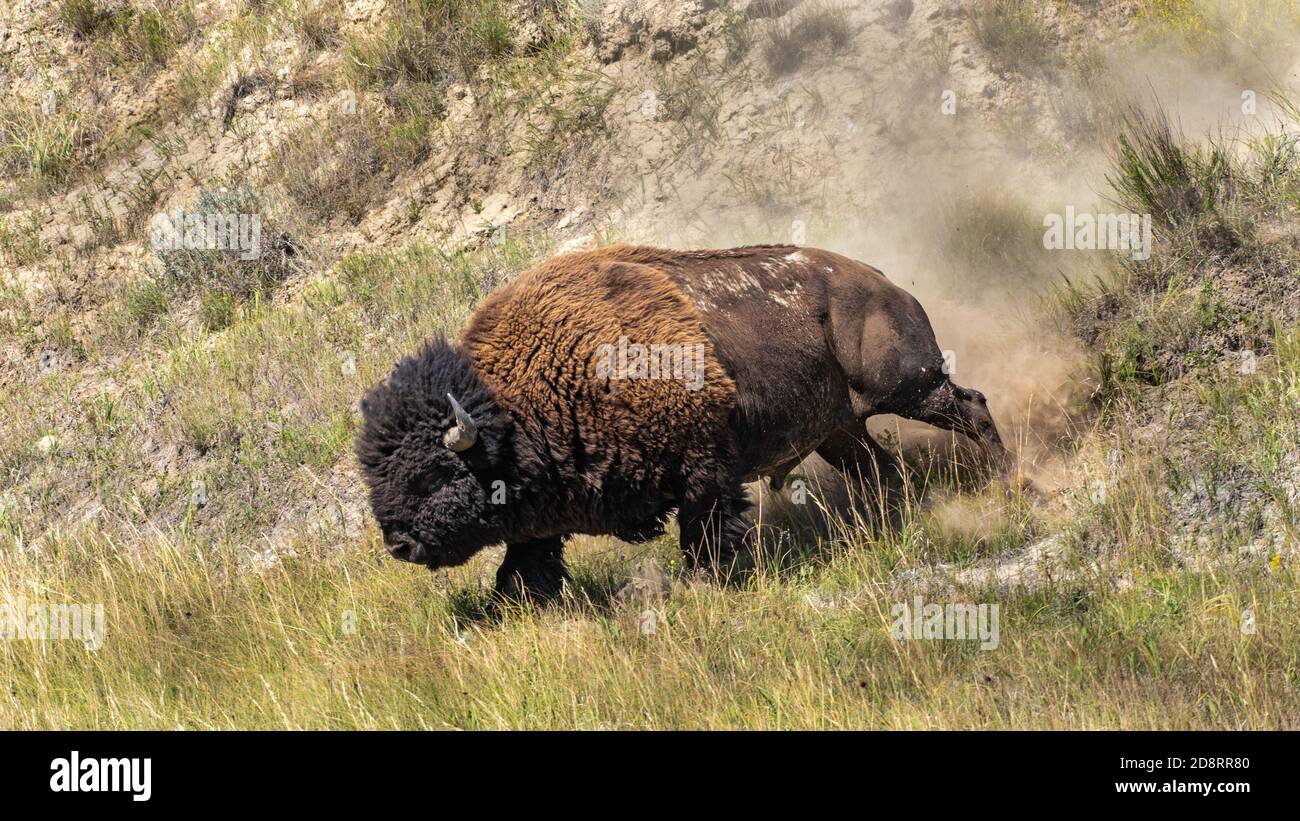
(517,434)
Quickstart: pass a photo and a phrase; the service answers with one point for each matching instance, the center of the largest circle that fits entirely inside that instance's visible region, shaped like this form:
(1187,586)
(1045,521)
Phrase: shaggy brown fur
(798,347)
(537,343)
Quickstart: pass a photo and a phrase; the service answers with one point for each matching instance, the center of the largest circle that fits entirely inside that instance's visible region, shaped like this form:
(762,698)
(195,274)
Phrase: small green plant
(1012,35)
(144,301)
(217,310)
(85,17)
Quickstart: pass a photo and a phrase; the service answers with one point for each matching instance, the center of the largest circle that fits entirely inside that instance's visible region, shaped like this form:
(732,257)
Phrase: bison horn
(465,434)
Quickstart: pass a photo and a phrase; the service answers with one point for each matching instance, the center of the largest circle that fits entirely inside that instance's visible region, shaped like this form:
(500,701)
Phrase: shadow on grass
(817,513)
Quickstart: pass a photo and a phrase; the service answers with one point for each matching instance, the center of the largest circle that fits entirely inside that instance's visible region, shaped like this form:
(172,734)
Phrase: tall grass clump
(145,35)
(317,23)
(429,41)
(1221,271)
(1012,35)
(84,17)
(792,41)
(46,147)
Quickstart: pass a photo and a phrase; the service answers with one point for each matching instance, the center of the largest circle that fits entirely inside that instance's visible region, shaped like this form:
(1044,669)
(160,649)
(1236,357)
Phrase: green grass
(205,631)
(343,637)
(46,147)
(144,301)
(429,41)
(1012,35)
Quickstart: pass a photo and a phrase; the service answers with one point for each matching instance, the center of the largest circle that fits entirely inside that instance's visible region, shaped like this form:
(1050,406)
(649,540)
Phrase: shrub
(429,41)
(342,164)
(230,249)
(790,43)
(1011,34)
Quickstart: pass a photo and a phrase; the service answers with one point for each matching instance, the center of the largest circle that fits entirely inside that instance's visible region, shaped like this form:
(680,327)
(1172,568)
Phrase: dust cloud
(910,151)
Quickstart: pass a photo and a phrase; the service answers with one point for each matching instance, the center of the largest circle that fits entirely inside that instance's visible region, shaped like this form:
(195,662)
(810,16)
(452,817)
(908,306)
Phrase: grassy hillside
(177,426)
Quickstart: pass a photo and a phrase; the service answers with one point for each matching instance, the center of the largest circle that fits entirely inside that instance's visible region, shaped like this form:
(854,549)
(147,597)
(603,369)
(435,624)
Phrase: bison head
(431,448)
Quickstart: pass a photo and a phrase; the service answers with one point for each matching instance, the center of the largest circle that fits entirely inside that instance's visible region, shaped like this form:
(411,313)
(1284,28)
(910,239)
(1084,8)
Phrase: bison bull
(601,391)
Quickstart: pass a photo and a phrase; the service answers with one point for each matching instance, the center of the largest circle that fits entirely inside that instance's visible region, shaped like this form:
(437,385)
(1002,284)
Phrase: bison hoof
(536,582)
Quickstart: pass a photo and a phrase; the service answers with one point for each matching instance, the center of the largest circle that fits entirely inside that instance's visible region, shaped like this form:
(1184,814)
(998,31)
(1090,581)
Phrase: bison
(601,391)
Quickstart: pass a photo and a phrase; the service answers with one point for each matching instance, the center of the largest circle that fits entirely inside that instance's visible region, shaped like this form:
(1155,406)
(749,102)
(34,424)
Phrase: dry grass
(793,38)
(1012,35)
(342,164)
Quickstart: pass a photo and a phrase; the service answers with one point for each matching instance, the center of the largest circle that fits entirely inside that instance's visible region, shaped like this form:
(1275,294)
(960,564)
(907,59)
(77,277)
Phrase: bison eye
(428,484)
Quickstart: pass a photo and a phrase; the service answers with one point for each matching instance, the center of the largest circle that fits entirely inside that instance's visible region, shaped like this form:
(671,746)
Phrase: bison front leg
(533,571)
(713,528)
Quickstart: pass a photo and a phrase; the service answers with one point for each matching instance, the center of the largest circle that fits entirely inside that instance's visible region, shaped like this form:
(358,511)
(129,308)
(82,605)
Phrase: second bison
(601,391)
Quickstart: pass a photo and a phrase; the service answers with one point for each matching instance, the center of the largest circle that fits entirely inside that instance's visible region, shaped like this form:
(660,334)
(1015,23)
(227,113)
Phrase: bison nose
(403,547)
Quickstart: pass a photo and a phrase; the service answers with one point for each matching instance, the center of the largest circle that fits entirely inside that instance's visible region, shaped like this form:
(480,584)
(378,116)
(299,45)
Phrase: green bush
(237,252)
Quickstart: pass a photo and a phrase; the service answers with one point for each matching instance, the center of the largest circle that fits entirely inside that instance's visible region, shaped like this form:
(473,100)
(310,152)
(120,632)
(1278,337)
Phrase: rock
(649,584)
(668,28)
(648,622)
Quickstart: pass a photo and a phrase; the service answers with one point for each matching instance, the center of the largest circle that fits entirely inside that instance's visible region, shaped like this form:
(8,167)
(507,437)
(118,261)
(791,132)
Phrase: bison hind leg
(853,452)
(533,571)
